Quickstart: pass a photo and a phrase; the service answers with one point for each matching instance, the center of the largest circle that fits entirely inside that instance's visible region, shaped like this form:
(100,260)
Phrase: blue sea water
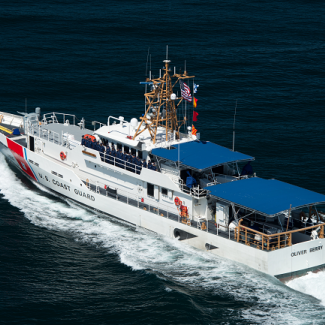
(61,264)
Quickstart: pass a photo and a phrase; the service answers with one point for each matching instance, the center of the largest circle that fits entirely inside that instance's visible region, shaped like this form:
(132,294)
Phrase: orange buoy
(177,201)
(63,156)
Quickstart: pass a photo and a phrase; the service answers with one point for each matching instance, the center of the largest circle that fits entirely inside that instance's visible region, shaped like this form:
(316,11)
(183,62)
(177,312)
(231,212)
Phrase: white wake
(267,301)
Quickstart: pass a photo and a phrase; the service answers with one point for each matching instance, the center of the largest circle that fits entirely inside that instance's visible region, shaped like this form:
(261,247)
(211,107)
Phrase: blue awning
(200,154)
(268,197)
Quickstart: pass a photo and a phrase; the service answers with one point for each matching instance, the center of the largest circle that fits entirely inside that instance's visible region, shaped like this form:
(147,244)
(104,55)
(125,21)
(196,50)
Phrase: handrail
(244,233)
(283,233)
(50,115)
(154,207)
(43,133)
(128,194)
(4,114)
(94,123)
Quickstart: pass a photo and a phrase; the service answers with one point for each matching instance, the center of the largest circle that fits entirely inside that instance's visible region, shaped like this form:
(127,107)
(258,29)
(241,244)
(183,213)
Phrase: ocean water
(60,263)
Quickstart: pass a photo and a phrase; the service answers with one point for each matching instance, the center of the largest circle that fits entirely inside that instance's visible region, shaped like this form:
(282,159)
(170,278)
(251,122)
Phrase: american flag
(185,90)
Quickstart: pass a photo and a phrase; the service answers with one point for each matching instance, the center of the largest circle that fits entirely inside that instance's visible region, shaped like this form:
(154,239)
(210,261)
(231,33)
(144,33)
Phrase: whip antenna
(233,129)
(147,62)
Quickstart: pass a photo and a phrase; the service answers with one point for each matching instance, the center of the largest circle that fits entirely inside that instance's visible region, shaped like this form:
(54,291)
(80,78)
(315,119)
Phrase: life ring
(63,156)
(177,201)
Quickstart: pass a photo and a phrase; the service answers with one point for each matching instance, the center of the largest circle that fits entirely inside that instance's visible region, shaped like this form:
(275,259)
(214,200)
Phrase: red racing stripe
(17,151)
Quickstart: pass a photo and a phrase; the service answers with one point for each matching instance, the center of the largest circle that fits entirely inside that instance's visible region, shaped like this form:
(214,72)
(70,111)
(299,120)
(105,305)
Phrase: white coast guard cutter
(193,190)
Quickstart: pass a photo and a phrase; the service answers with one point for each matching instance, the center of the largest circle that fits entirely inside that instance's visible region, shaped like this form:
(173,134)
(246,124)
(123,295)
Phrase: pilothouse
(155,172)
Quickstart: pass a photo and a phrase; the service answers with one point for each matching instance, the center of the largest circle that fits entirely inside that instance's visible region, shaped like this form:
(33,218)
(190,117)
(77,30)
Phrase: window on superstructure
(140,154)
(126,149)
(119,146)
(133,151)
(150,189)
(164,191)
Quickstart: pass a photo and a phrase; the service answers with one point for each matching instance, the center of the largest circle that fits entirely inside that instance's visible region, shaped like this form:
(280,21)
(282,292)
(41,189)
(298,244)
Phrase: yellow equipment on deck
(5,129)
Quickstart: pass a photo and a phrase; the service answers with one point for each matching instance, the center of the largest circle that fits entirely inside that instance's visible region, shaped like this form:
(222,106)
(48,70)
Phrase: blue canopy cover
(269,197)
(200,154)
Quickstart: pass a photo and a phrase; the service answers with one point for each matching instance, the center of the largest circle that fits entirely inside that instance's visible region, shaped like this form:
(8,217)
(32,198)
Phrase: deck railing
(252,237)
(11,119)
(53,118)
(46,134)
(157,208)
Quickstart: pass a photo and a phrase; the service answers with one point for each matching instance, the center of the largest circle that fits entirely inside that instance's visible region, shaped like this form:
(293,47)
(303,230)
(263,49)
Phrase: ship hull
(285,263)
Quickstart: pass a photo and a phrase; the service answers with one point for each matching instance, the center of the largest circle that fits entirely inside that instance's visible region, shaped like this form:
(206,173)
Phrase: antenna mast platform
(161,105)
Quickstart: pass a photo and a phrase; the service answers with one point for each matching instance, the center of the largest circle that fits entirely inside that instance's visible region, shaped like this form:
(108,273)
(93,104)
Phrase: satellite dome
(134,123)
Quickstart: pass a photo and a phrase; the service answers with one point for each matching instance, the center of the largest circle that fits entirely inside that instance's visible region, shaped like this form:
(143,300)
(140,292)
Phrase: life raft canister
(63,155)
(90,137)
(177,201)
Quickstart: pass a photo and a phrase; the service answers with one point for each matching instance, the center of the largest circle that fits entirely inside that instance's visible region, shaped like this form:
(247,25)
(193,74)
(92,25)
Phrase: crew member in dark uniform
(116,157)
(102,150)
(107,156)
(124,158)
(128,162)
(88,143)
(138,165)
(133,162)
(113,155)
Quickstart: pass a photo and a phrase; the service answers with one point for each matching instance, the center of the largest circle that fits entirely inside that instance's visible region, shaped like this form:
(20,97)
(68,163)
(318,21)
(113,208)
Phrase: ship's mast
(162,105)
